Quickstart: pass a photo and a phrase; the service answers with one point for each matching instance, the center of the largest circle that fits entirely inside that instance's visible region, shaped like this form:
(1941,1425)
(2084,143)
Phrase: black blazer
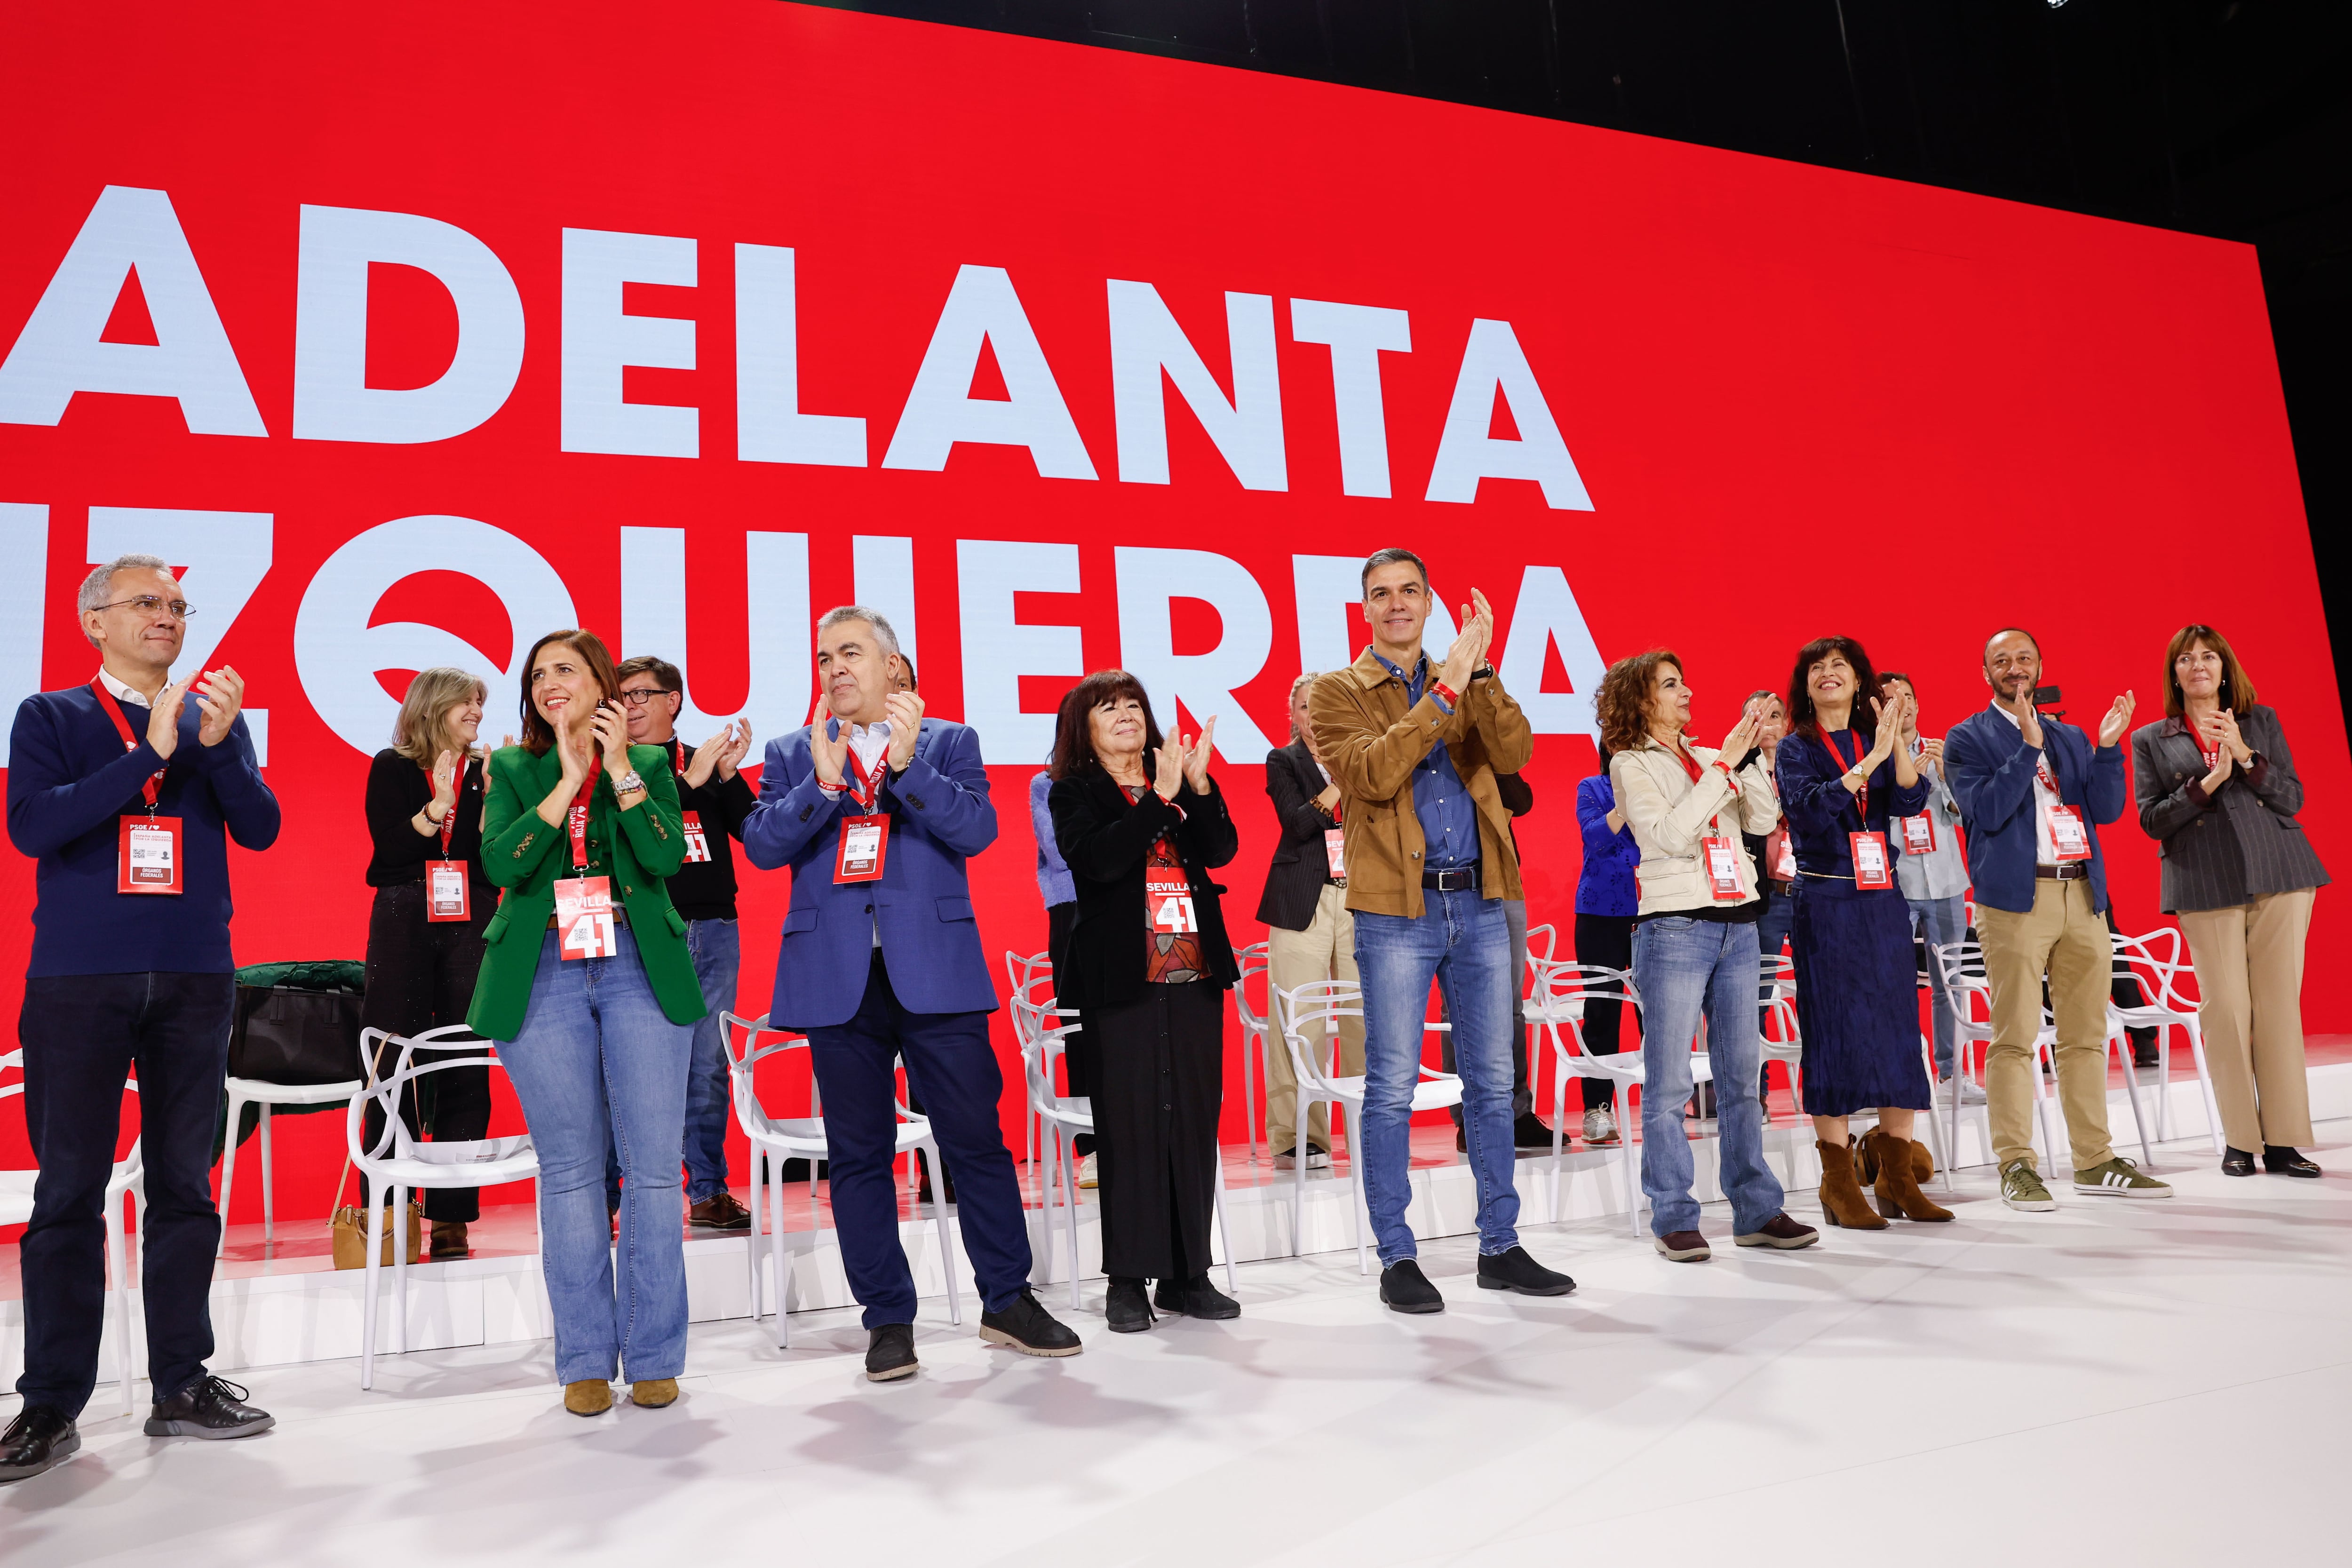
(1301,870)
(1106,840)
(2233,848)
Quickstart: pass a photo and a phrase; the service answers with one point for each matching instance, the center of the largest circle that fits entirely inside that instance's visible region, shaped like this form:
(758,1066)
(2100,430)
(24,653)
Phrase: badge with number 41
(1168,894)
(583,918)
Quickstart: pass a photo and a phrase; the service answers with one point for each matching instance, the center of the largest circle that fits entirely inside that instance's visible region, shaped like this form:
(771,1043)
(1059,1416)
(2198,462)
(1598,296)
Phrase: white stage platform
(2128,1383)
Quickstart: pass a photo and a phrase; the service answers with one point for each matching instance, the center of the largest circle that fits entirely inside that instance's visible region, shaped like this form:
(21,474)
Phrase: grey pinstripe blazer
(2232,847)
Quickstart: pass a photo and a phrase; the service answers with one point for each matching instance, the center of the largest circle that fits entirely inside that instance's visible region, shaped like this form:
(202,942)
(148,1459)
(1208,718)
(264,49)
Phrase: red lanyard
(868,788)
(1862,796)
(1690,764)
(449,817)
(578,816)
(152,788)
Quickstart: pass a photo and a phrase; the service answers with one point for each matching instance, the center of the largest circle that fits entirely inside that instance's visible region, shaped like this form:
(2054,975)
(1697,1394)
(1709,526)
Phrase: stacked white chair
(394,1164)
(244,1091)
(1256,1041)
(1021,970)
(2158,957)
(779,1138)
(1564,989)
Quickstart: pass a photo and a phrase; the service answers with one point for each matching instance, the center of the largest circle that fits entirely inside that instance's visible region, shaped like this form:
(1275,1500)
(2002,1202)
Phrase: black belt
(2070,871)
(1461,878)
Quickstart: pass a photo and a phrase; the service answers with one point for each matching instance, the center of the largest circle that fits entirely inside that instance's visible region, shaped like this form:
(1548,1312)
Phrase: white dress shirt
(2045,801)
(123,693)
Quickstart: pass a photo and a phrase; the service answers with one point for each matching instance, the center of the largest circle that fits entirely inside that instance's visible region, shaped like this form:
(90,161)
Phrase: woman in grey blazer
(2217,789)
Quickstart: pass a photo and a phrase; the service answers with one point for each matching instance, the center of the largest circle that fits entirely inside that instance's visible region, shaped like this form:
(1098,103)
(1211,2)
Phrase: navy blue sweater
(69,781)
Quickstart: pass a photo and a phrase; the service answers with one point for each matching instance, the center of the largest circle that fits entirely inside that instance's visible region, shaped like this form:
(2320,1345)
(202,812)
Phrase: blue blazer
(1991,775)
(1822,811)
(939,813)
(1606,885)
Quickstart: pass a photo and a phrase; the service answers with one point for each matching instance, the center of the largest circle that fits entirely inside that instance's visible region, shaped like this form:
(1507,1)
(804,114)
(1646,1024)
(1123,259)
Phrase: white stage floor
(2135,1382)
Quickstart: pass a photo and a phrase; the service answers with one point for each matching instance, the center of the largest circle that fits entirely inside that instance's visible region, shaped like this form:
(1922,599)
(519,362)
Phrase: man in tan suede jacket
(1414,746)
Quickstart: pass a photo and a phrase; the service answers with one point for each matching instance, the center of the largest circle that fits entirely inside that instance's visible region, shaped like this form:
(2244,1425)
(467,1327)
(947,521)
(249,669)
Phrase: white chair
(2157,956)
(1322,1004)
(244,1091)
(396,1161)
(1565,988)
(1065,1118)
(1256,1039)
(128,1179)
(782,1138)
(1785,1043)
(1023,971)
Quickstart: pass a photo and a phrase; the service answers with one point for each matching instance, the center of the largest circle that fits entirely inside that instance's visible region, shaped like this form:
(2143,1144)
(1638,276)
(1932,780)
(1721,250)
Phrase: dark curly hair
(1623,703)
(1865,686)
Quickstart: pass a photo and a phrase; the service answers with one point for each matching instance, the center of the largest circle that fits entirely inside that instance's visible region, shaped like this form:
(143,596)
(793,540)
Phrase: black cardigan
(397,789)
(1105,841)
(1300,870)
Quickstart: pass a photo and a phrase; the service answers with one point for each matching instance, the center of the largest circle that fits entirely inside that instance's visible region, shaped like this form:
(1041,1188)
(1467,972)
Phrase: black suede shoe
(39,1436)
(1126,1308)
(2237,1162)
(1530,1133)
(1026,1327)
(891,1353)
(1406,1289)
(1195,1298)
(2285,1161)
(210,1407)
(1515,1270)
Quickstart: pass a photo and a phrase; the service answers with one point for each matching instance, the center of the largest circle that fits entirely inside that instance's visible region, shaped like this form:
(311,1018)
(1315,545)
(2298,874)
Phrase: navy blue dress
(1856,978)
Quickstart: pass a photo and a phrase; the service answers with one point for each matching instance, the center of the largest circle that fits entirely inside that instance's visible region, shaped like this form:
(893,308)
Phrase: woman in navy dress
(1840,774)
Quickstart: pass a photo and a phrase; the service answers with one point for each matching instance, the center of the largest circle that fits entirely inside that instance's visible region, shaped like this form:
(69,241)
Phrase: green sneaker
(2022,1188)
(2119,1178)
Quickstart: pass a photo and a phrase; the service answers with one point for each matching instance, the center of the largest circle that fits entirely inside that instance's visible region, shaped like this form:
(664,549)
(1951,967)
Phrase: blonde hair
(420,733)
(1307,679)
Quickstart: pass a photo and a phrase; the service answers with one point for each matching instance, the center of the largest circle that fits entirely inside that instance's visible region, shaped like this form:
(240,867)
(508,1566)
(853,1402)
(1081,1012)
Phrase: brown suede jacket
(1371,740)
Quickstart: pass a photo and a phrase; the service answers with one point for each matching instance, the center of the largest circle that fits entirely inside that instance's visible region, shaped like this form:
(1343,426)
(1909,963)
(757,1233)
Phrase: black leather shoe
(1406,1289)
(1026,1327)
(1515,1270)
(1195,1298)
(1530,1133)
(2237,1162)
(39,1436)
(1126,1308)
(891,1353)
(2282,1162)
(210,1407)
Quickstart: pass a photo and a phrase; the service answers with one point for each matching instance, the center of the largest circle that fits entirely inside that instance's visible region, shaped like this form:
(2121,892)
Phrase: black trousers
(1608,941)
(420,976)
(82,1034)
(1158,1088)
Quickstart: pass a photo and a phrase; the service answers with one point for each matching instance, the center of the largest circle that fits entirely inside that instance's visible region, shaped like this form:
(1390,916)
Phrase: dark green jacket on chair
(526,857)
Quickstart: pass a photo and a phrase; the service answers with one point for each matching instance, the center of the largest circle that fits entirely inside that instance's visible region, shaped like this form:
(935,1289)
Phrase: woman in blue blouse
(1606,901)
(1841,779)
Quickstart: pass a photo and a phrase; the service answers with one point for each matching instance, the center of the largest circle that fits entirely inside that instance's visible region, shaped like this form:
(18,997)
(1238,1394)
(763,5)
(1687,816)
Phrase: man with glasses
(126,791)
(715,800)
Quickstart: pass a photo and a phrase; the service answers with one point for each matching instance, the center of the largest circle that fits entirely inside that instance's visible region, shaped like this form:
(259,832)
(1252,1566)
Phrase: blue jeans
(1462,941)
(1688,969)
(718,951)
(1943,922)
(597,1060)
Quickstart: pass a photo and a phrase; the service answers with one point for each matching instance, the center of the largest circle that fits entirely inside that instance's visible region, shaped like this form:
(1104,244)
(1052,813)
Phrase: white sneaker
(1970,1093)
(1600,1126)
(1086,1177)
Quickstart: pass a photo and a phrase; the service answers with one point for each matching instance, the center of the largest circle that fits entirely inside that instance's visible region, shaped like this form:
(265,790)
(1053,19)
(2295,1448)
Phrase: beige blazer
(1670,815)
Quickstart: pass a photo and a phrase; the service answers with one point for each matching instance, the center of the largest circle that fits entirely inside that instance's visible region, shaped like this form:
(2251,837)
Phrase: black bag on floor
(300,1025)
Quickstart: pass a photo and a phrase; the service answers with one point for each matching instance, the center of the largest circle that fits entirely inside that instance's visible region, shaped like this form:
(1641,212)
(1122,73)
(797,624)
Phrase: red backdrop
(1800,401)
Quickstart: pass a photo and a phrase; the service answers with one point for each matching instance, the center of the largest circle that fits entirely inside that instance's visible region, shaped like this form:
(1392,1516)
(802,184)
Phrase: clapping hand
(828,755)
(1170,758)
(719,753)
(1196,759)
(2118,719)
(163,718)
(1469,649)
(572,748)
(444,784)
(2220,730)
(1743,734)
(222,694)
(906,711)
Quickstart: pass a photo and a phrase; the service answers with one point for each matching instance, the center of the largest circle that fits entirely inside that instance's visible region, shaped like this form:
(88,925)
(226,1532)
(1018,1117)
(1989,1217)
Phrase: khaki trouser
(1326,949)
(2248,961)
(2063,937)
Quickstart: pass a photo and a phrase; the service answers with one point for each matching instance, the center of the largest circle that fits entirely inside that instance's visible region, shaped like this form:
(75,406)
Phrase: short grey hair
(101,581)
(840,613)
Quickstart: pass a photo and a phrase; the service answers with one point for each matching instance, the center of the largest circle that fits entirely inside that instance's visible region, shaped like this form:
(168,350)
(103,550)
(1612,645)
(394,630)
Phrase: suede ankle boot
(1923,1164)
(1843,1203)
(1888,1164)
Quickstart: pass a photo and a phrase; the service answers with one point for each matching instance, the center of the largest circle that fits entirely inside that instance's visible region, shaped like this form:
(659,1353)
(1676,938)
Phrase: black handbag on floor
(300,1033)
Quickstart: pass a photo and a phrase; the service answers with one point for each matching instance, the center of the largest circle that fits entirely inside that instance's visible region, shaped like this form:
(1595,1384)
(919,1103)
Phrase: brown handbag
(349,1230)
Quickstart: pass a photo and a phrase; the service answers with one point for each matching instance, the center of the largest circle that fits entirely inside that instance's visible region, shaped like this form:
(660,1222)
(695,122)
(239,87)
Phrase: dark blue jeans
(82,1033)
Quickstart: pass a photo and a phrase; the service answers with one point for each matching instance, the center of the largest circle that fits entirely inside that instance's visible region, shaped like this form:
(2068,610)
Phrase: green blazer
(526,857)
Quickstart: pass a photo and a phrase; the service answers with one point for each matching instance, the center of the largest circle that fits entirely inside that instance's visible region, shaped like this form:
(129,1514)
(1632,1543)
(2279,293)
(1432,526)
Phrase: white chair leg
(372,1199)
(268,1185)
(1068,1157)
(1225,1234)
(398,1221)
(2131,1092)
(1952,1112)
(1625,1157)
(118,1262)
(237,1104)
(1559,1138)
(1249,1101)
(2196,1033)
(751,1236)
(1305,1115)
(947,1246)
(1360,1199)
(779,1257)
(2164,1083)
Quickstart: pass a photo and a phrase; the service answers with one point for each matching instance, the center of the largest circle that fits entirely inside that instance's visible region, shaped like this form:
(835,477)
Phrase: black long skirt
(1158,1086)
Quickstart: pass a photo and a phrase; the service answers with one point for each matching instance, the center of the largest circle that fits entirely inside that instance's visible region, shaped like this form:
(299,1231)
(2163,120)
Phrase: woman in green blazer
(596,1017)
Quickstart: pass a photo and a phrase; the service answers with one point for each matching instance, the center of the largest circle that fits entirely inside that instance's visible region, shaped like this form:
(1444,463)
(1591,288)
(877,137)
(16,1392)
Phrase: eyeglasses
(643,695)
(148,604)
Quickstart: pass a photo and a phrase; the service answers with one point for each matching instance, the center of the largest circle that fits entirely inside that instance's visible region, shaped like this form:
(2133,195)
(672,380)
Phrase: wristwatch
(624,783)
(1481,672)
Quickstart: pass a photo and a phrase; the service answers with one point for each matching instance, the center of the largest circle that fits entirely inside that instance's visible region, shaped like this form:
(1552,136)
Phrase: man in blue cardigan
(881,957)
(2034,794)
(122,977)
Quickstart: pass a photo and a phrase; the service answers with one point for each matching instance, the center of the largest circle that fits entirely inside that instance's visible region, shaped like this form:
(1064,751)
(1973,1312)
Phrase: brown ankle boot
(1923,1164)
(1891,1166)
(1843,1203)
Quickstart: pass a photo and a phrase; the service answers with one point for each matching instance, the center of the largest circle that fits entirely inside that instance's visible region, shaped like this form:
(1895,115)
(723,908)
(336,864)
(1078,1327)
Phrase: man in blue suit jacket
(2034,793)
(874,969)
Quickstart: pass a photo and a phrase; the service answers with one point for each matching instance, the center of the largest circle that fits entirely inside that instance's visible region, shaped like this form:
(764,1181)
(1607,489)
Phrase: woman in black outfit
(432,901)
(1141,824)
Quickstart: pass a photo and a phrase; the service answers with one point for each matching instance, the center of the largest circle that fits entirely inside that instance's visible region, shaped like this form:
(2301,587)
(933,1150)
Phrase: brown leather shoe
(1781,1232)
(720,1211)
(1682,1247)
(654,1393)
(589,1396)
(449,1241)
(1843,1203)
(1889,1167)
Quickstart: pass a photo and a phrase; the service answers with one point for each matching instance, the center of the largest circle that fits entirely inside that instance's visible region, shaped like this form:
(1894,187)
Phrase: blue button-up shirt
(1449,818)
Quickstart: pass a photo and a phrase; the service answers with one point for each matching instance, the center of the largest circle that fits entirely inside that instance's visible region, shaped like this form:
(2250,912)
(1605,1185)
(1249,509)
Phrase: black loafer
(211,1408)
(2282,1162)
(39,1436)
(891,1353)
(2237,1162)
(1195,1298)
(1126,1308)
(1406,1289)
(1528,1132)
(1026,1327)
(1515,1270)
